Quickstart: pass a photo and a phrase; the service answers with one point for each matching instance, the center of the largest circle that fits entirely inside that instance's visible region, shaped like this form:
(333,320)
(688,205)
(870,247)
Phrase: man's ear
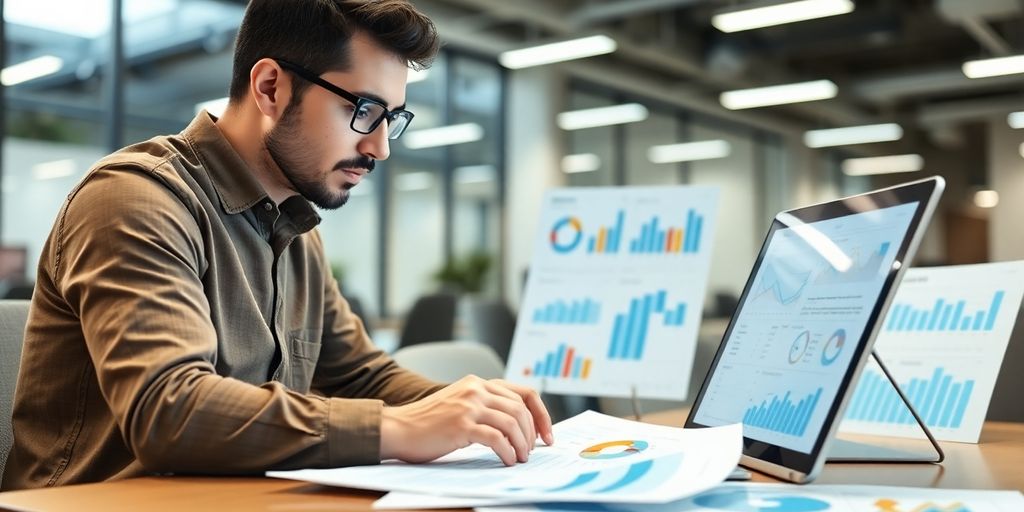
(271,87)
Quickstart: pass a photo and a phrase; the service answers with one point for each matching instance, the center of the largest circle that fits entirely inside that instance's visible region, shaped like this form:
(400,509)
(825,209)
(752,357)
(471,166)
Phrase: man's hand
(495,413)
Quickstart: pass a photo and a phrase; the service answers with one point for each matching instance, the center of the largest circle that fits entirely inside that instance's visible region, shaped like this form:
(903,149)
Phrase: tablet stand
(917,418)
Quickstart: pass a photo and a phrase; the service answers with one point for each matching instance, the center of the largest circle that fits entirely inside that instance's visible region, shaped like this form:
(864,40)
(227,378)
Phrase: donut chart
(564,244)
(833,347)
(614,449)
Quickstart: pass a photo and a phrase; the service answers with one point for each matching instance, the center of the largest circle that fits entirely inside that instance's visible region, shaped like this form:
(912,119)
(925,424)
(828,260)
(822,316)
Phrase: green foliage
(465,274)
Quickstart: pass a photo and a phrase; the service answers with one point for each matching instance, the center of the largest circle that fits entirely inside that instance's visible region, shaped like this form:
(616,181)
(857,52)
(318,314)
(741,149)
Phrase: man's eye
(362,113)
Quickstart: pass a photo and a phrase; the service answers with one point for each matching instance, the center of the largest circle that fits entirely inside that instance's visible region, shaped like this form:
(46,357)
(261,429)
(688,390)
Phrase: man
(185,320)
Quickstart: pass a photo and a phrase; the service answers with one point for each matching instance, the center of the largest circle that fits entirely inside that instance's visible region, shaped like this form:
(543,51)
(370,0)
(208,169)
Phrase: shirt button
(267,206)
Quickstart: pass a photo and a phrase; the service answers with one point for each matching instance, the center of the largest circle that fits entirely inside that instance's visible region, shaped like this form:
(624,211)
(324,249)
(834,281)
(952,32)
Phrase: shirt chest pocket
(304,350)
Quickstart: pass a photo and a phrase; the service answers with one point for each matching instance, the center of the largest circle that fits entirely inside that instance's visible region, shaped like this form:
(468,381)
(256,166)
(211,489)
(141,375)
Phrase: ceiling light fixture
(779,94)
(689,151)
(1016,120)
(779,14)
(443,136)
(584,162)
(30,70)
(864,134)
(557,52)
(882,165)
(414,181)
(986,198)
(602,116)
(468,174)
(994,67)
(54,170)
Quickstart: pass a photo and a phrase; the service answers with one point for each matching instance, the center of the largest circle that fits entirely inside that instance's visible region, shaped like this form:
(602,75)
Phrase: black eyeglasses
(368,113)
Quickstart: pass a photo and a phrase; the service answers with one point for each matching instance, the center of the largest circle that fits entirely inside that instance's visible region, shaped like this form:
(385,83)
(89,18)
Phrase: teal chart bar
(576,312)
(630,329)
(940,400)
(944,315)
(782,415)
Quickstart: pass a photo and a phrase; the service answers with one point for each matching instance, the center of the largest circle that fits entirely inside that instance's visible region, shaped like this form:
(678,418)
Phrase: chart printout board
(615,291)
(943,340)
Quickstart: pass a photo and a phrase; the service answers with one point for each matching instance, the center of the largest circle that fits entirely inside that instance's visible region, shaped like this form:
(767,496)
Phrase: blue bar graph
(939,400)
(782,415)
(944,316)
(655,238)
(629,330)
(608,239)
(577,312)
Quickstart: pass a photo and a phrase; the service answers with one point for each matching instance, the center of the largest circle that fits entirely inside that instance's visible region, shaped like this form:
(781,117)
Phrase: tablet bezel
(784,462)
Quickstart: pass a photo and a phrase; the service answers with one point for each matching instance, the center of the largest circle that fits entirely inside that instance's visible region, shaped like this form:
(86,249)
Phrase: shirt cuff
(353,432)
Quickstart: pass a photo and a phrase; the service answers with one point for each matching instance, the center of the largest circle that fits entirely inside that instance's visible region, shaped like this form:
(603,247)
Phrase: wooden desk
(996,463)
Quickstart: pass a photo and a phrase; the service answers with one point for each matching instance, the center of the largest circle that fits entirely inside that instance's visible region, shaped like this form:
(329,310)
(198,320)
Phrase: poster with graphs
(615,291)
(943,340)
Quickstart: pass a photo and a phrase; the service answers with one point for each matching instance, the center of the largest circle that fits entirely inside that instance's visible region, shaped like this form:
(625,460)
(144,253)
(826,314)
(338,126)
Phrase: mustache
(361,162)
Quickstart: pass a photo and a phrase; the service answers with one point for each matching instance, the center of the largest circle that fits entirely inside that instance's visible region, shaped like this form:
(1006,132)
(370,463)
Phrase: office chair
(449,361)
(432,318)
(13,316)
(492,323)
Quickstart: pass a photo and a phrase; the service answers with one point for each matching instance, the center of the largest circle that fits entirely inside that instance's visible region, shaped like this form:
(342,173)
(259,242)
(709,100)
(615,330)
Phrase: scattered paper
(749,497)
(596,458)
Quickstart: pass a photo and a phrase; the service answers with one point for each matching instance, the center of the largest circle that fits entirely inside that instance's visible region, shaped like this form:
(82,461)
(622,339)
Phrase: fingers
(541,418)
(509,427)
(495,440)
(513,404)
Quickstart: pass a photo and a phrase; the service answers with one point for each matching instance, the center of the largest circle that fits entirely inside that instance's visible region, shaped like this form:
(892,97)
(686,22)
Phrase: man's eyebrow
(378,99)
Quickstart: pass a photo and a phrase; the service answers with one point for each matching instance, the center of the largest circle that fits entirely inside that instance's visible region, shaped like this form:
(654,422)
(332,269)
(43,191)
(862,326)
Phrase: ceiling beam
(986,37)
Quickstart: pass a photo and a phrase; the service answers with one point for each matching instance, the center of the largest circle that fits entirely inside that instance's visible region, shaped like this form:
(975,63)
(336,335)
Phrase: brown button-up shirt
(183,322)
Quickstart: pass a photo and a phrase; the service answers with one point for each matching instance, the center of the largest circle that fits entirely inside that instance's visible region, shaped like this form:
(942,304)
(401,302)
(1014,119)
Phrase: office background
(108,81)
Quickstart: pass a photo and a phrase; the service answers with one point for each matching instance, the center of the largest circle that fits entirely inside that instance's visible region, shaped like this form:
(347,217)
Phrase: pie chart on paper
(614,449)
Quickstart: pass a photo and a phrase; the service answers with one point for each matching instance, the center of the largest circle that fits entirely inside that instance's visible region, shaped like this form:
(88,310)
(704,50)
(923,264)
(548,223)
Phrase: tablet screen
(795,334)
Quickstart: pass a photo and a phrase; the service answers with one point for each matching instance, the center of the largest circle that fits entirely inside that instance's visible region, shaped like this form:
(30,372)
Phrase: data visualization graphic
(794,337)
(615,291)
(943,339)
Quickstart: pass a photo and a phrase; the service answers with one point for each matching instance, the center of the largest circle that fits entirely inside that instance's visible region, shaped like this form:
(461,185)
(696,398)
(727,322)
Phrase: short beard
(284,144)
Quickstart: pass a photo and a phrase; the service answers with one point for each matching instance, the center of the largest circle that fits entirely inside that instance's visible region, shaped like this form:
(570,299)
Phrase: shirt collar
(235,184)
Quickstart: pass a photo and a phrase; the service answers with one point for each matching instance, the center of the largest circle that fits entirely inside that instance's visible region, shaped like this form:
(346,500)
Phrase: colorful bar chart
(782,415)
(939,400)
(944,316)
(608,239)
(654,239)
(562,363)
(629,331)
(577,312)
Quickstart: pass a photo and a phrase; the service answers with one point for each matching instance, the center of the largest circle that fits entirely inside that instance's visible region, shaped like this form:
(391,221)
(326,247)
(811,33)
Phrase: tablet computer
(806,320)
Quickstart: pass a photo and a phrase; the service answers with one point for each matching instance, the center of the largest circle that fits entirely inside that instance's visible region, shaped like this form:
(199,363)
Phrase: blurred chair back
(13,316)
(449,361)
(432,318)
(492,323)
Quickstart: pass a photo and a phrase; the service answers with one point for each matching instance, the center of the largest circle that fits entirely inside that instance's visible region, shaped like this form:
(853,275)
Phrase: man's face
(313,142)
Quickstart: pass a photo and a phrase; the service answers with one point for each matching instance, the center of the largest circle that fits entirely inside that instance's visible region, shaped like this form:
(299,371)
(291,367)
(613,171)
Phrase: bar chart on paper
(939,399)
(615,291)
(945,315)
(943,340)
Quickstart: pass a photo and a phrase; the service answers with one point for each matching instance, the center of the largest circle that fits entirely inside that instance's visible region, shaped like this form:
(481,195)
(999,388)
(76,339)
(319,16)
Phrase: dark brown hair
(315,34)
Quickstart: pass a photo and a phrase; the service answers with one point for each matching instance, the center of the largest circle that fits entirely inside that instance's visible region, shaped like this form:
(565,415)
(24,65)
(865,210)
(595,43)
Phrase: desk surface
(993,464)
